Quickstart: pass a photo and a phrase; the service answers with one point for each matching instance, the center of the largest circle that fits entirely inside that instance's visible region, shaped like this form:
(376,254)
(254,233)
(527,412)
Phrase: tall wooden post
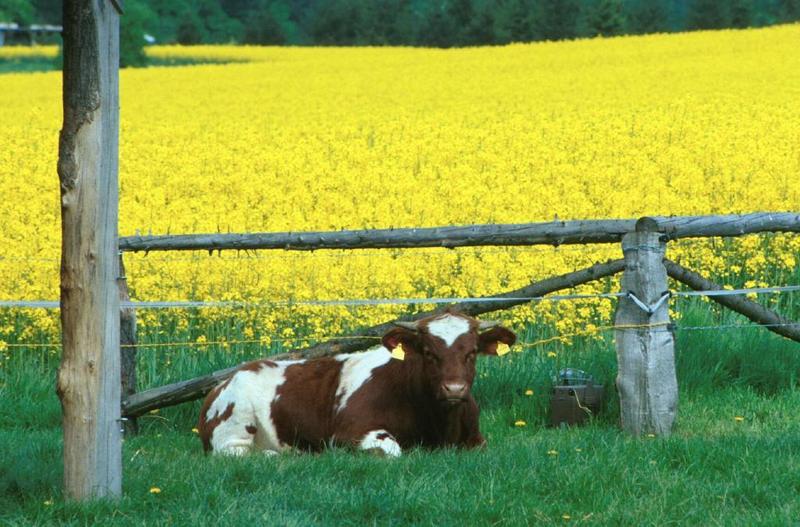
(647,385)
(89,376)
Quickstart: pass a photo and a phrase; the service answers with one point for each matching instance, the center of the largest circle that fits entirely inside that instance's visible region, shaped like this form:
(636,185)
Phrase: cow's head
(447,346)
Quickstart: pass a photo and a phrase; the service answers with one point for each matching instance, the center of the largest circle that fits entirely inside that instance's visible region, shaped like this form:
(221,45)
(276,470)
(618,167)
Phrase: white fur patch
(252,394)
(356,371)
(448,328)
(381,440)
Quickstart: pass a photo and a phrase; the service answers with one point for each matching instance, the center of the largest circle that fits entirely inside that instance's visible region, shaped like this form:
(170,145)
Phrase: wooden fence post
(648,388)
(89,377)
(127,335)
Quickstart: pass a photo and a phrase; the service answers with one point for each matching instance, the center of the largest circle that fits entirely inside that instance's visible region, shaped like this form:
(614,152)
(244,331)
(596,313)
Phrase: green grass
(714,470)
(34,64)
(27,65)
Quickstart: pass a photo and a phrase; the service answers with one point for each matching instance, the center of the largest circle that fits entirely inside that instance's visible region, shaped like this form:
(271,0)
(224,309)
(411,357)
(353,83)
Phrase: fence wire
(52,304)
(594,331)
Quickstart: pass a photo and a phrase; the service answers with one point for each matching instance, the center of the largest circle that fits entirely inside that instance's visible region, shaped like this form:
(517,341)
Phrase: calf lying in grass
(412,390)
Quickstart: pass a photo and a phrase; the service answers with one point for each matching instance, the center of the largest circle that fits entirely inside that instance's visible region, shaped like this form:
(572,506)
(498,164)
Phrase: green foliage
(557,19)
(647,16)
(338,22)
(604,17)
(19,11)
(131,33)
(264,27)
(708,14)
(444,23)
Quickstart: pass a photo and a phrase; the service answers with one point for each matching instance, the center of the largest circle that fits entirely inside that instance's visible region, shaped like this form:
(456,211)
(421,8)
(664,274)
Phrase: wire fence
(357,302)
(591,332)
(52,304)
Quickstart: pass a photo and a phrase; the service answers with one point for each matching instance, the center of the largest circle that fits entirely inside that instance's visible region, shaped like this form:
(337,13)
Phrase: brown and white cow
(369,400)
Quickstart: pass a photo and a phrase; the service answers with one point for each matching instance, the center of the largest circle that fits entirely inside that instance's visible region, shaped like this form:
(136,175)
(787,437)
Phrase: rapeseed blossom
(294,139)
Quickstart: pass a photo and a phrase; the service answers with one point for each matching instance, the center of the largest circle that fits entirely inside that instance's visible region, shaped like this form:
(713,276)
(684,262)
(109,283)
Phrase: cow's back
(274,405)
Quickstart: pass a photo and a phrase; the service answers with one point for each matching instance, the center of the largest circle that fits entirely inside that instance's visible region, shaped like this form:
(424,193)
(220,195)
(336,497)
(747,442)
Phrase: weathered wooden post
(89,375)
(127,334)
(648,388)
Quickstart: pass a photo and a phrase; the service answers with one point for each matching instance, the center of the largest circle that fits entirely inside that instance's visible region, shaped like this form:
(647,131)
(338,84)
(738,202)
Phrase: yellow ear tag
(398,353)
(502,349)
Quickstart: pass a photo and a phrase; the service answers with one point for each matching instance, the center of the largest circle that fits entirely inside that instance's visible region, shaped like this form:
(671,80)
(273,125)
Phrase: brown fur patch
(303,404)
(257,365)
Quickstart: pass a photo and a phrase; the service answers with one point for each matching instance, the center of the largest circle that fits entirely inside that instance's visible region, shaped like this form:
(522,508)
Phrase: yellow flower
(201,339)
(195,431)
(48,503)
(520,422)
(155,490)
(552,452)
(738,418)
(551,354)
(153,411)
(566,517)
(529,392)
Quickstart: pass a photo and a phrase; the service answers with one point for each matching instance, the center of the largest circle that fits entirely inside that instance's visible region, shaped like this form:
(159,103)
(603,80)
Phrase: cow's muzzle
(454,392)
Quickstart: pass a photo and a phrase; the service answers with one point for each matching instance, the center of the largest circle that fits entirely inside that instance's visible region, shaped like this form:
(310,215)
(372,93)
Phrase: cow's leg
(382,442)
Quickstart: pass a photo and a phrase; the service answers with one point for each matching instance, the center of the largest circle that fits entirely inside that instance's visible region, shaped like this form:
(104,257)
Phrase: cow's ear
(488,340)
(403,336)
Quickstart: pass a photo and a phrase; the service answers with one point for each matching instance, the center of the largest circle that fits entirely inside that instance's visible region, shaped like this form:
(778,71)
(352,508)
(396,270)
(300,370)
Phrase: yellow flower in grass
(552,452)
(520,422)
(529,392)
(738,418)
(155,490)
(551,354)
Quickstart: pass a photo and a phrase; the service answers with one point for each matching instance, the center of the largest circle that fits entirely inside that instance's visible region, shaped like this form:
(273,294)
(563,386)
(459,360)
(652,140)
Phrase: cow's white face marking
(448,328)
(383,441)
(356,371)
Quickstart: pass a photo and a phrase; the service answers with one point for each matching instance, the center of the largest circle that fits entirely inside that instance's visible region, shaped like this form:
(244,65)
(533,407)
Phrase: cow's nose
(454,390)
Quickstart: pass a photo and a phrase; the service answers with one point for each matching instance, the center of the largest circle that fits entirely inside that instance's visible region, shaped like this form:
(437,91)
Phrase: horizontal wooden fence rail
(550,233)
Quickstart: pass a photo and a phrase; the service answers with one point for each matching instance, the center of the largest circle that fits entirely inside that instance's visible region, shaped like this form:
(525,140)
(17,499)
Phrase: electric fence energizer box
(574,398)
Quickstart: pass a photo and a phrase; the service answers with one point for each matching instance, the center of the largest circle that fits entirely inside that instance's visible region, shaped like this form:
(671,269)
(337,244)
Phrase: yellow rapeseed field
(325,138)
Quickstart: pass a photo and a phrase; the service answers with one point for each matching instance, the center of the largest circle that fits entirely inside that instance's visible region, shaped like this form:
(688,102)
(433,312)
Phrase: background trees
(442,23)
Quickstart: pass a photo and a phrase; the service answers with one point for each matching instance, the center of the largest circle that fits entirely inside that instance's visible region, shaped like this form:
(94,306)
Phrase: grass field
(732,460)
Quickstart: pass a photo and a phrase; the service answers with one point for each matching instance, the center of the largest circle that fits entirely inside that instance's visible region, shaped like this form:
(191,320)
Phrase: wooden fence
(643,337)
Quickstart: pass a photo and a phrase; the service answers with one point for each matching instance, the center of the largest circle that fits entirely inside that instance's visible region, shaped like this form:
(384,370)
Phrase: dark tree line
(442,23)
